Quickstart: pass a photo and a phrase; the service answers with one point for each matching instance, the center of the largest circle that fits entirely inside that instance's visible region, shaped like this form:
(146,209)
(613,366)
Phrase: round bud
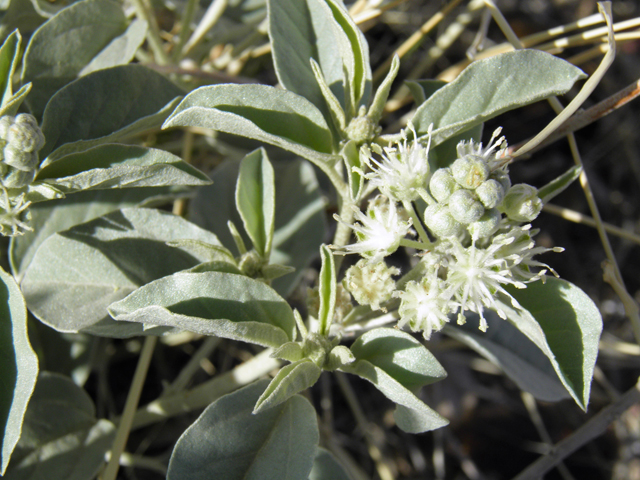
(464,207)
(502,177)
(490,193)
(487,225)
(522,203)
(470,171)
(20,160)
(18,178)
(25,137)
(27,119)
(439,220)
(5,123)
(442,184)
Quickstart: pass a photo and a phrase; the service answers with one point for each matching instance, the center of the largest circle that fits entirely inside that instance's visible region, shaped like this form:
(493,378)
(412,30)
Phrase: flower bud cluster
(20,138)
(472,194)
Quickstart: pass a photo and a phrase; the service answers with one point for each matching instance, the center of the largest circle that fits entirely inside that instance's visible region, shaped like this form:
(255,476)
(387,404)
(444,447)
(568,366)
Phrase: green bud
(442,184)
(19,159)
(362,129)
(487,225)
(439,220)
(465,207)
(17,178)
(470,171)
(490,193)
(522,203)
(502,177)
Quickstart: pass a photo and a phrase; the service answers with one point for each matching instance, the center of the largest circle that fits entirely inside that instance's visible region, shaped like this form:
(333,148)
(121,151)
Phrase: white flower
(475,276)
(493,154)
(371,284)
(424,306)
(379,231)
(402,171)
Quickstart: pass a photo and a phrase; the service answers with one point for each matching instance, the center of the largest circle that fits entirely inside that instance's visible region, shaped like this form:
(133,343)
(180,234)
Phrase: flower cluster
(20,141)
(479,239)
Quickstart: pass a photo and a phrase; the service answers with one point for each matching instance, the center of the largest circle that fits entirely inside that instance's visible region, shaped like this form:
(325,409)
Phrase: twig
(124,427)
(590,430)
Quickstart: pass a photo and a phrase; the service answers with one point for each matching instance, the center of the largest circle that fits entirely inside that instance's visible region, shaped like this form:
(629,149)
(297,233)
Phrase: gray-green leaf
(18,366)
(119,166)
(212,303)
(263,113)
(104,102)
(61,438)
(9,58)
(487,88)
(279,443)
(565,324)
(66,43)
(255,200)
(291,379)
(77,273)
(326,467)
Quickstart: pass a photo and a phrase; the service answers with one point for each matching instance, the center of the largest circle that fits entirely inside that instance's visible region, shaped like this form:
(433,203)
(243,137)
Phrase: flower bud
(18,178)
(502,177)
(490,193)
(5,124)
(362,129)
(442,184)
(19,159)
(25,137)
(470,171)
(371,284)
(487,225)
(439,220)
(465,207)
(522,203)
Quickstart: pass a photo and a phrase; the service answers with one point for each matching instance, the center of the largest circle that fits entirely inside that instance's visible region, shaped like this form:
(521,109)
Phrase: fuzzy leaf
(61,438)
(291,379)
(211,303)
(565,324)
(102,103)
(326,467)
(520,359)
(299,217)
(399,355)
(119,166)
(263,113)
(255,200)
(489,87)
(279,443)
(18,366)
(64,45)
(77,273)
(327,290)
(558,185)
(9,58)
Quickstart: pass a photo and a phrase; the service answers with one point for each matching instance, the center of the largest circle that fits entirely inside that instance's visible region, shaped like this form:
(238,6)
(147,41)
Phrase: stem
(130,406)
(192,366)
(590,430)
(417,224)
(187,18)
(405,242)
(143,11)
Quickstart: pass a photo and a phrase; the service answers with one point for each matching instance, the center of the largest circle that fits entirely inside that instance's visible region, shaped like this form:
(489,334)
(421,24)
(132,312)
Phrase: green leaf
(255,200)
(520,359)
(399,355)
(327,290)
(326,467)
(263,113)
(9,58)
(13,104)
(489,87)
(423,89)
(121,50)
(565,324)
(411,414)
(77,273)
(119,166)
(48,9)
(18,366)
(299,218)
(279,443)
(558,185)
(323,31)
(61,438)
(443,155)
(104,102)
(64,45)
(290,380)
(212,303)
(55,216)
(382,94)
